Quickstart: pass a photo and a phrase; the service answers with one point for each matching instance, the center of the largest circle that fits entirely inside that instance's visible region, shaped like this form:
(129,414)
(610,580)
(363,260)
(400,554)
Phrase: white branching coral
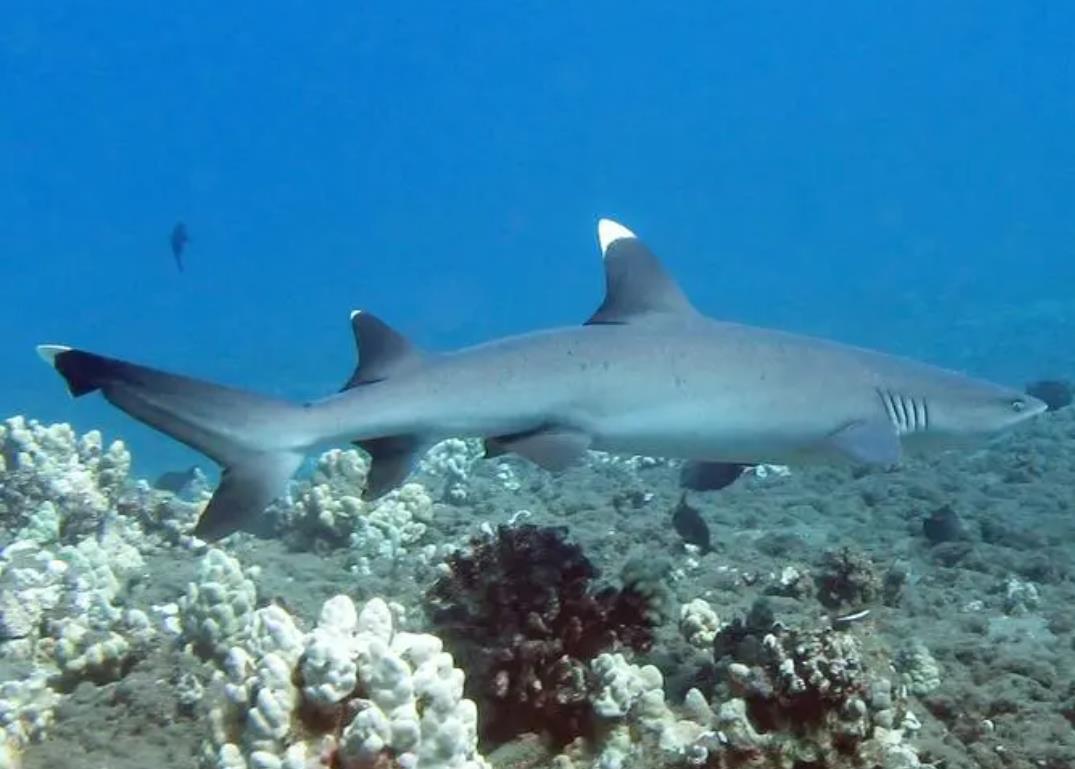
(219,605)
(642,729)
(63,614)
(391,525)
(698,623)
(918,669)
(452,461)
(55,482)
(328,511)
(622,684)
(327,506)
(26,708)
(398,694)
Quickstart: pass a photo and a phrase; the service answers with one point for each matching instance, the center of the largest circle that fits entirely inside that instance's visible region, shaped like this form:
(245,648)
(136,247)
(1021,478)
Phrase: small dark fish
(690,525)
(710,476)
(179,241)
(176,480)
(943,525)
(1056,393)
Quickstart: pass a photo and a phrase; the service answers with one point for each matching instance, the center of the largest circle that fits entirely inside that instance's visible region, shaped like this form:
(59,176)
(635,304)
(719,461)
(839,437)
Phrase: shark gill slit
(907,414)
(920,414)
(911,412)
(901,415)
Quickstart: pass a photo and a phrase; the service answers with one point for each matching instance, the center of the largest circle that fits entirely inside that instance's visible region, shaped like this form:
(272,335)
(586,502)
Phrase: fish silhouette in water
(176,481)
(179,240)
(690,525)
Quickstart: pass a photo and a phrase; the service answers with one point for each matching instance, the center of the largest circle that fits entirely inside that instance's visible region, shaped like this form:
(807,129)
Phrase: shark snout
(1031,407)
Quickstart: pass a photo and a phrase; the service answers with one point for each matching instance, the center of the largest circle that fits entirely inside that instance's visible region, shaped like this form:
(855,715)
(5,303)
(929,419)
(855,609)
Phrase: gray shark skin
(646,374)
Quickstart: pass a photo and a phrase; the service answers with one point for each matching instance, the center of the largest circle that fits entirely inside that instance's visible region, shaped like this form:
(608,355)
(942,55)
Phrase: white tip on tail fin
(48,352)
(608,232)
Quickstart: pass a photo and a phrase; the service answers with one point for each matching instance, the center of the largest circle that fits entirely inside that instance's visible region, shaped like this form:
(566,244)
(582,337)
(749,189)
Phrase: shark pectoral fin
(382,351)
(552,448)
(246,488)
(636,283)
(710,476)
(872,442)
(391,461)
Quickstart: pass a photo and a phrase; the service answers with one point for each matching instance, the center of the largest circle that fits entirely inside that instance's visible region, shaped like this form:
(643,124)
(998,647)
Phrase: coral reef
(102,605)
(847,579)
(218,605)
(322,511)
(801,696)
(327,512)
(58,486)
(63,612)
(451,462)
(918,669)
(354,693)
(698,623)
(520,612)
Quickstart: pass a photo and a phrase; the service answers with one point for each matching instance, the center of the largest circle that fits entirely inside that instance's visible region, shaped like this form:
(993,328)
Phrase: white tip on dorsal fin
(354,314)
(636,284)
(608,232)
(48,352)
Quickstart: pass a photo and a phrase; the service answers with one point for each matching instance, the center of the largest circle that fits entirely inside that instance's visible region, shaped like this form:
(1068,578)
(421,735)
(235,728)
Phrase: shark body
(647,374)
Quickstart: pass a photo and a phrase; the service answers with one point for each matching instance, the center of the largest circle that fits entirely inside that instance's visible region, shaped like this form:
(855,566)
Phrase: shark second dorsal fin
(636,283)
(382,351)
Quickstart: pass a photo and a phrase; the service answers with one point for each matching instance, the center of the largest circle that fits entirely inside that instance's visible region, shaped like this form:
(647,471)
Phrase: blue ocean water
(892,174)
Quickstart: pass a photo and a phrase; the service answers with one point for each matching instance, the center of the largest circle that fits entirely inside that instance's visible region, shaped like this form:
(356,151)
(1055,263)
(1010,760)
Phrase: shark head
(963,410)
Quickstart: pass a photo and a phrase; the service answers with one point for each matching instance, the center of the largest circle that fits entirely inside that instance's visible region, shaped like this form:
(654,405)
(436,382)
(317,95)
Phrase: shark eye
(1018,405)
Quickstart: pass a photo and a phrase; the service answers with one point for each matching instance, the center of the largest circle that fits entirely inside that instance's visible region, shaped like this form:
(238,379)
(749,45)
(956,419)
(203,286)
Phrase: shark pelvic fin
(636,284)
(245,489)
(871,442)
(382,351)
(391,461)
(552,448)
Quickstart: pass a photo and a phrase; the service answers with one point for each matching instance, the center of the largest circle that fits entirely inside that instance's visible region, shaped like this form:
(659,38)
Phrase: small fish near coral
(176,481)
(691,526)
(725,392)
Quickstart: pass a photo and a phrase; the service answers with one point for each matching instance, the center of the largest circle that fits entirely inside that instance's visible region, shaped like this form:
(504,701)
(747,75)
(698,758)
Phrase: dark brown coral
(520,614)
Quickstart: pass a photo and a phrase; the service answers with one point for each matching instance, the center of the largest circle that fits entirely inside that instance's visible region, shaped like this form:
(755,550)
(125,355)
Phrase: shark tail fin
(258,441)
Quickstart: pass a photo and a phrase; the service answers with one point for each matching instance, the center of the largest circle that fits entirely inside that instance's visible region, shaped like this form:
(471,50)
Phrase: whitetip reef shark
(646,374)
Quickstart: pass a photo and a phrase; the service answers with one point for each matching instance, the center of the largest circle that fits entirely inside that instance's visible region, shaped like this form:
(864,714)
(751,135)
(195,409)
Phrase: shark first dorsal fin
(382,351)
(636,283)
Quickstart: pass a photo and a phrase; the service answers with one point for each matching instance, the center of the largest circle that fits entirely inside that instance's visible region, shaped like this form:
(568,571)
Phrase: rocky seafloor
(491,615)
